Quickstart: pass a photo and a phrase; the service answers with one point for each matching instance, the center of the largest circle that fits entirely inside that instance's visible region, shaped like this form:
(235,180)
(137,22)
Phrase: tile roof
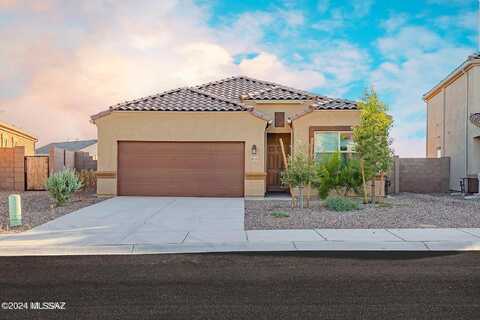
(474,56)
(225,95)
(67,145)
(325,103)
(232,88)
(279,93)
(182,99)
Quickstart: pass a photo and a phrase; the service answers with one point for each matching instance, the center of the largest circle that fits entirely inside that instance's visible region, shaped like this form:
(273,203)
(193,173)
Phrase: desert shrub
(280,214)
(340,175)
(61,185)
(341,204)
(88,179)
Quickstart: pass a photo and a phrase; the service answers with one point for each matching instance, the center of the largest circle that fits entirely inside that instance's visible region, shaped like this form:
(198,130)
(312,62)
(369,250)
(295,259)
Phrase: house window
(279,119)
(439,152)
(327,143)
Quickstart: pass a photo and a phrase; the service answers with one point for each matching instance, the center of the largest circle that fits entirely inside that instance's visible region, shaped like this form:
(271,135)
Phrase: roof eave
(19,131)
(455,74)
(99,115)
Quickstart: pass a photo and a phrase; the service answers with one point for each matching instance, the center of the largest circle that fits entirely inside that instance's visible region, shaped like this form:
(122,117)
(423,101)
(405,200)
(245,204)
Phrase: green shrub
(61,185)
(340,175)
(341,204)
(280,214)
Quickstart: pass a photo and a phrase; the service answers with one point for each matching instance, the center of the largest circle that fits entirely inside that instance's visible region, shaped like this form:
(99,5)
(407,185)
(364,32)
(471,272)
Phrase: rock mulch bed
(38,208)
(405,210)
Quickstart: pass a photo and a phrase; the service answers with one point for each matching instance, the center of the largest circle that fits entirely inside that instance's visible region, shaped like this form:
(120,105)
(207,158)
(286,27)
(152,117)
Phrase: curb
(224,247)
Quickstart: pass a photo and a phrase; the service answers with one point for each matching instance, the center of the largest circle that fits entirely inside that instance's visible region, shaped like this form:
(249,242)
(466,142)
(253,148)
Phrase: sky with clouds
(62,61)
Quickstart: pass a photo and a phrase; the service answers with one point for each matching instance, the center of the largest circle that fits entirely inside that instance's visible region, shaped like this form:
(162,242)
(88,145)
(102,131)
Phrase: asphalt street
(308,285)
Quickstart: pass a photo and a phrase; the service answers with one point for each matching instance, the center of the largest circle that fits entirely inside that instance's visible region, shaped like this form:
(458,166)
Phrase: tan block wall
(180,126)
(12,169)
(10,139)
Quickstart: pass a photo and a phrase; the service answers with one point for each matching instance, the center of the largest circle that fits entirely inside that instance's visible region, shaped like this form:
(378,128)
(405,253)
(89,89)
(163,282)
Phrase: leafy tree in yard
(299,173)
(372,138)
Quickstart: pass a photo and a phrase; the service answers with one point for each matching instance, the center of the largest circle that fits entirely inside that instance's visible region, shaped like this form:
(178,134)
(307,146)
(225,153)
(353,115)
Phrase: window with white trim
(327,143)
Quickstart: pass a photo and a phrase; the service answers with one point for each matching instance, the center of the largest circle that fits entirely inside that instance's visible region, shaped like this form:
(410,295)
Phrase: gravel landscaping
(38,208)
(405,210)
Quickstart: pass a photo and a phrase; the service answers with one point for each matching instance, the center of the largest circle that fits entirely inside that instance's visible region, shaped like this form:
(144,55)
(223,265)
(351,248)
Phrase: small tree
(372,139)
(299,172)
(61,185)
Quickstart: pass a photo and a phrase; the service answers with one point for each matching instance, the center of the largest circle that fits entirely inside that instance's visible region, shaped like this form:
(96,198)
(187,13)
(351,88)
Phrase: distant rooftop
(67,145)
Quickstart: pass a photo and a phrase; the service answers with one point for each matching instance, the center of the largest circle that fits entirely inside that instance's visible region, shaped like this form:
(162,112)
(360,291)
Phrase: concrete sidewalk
(262,240)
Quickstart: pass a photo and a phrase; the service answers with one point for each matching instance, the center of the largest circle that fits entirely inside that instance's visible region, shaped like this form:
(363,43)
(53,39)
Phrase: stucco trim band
(255,175)
(106,174)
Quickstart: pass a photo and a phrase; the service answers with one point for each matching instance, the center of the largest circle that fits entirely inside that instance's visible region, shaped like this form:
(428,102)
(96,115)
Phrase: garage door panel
(213,169)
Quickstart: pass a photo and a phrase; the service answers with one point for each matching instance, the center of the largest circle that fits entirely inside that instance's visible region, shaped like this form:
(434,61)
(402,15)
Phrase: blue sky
(73,59)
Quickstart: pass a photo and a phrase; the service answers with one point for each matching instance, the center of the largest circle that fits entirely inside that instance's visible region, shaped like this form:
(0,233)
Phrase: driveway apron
(140,220)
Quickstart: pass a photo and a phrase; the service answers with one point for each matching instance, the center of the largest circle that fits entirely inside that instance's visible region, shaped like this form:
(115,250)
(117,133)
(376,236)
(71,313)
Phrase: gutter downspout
(466,124)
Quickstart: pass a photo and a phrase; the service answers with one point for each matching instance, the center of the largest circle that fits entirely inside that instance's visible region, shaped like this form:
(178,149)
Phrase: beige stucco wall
(473,151)
(10,137)
(302,125)
(181,126)
(449,127)
(290,109)
(435,125)
(456,119)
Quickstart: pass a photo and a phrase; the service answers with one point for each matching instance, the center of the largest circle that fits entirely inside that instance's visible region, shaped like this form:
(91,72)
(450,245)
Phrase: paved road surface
(247,286)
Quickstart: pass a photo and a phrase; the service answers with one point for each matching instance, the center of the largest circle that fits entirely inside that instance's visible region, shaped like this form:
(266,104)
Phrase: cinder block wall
(12,169)
(420,175)
(84,161)
(60,159)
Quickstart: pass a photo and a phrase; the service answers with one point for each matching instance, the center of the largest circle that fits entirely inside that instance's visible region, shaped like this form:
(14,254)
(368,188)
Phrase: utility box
(15,210)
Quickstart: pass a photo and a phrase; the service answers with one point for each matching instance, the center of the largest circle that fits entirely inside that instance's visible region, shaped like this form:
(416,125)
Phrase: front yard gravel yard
(39,208)
(406,210)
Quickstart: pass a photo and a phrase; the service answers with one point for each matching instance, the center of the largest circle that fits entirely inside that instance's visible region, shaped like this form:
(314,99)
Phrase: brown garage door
(207,169)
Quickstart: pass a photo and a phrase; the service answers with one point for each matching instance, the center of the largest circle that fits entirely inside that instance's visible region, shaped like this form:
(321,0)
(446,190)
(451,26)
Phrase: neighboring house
(453,106)
(11,136)
(219,139)
(89,146)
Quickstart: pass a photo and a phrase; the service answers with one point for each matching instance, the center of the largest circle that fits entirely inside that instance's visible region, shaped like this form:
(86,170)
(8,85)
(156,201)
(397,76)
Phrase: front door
(275,163)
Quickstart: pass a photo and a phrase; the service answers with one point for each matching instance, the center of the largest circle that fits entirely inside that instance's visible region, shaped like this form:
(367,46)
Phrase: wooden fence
(19,172)
(36,172)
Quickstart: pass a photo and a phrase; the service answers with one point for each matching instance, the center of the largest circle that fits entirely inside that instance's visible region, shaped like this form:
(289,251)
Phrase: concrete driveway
(141,220)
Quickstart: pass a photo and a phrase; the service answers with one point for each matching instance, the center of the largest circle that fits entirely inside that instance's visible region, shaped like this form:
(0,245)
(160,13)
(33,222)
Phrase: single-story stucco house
(453,120)
(11,136)
(219,139)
